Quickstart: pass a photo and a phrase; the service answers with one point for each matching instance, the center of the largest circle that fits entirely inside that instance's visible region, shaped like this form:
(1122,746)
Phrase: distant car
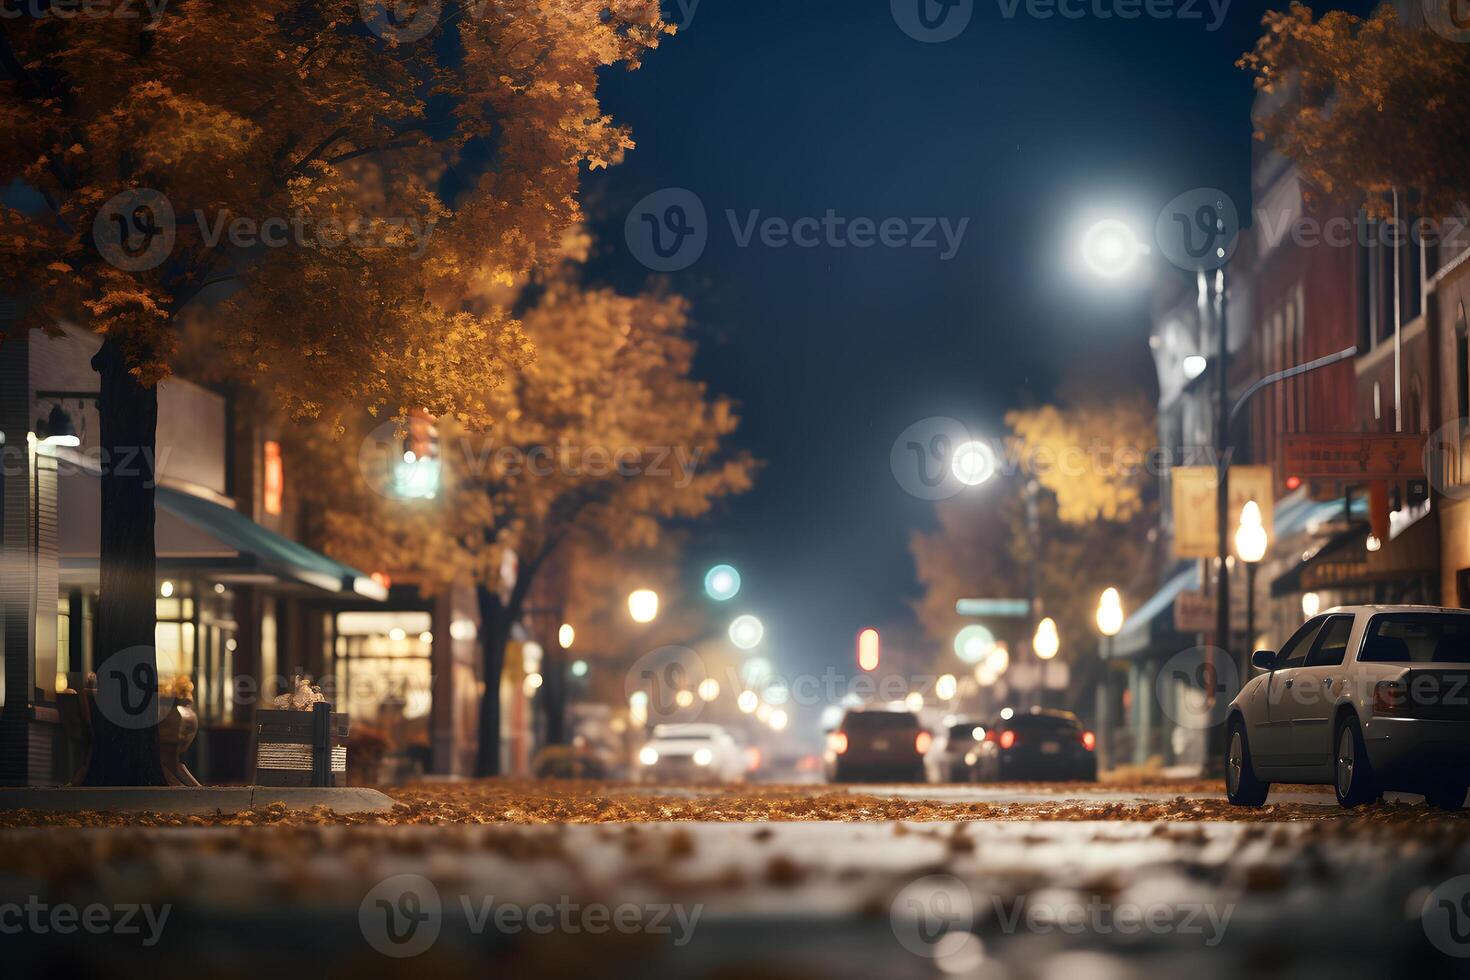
(955,753)
(1039,744)
(1364,698)
(877,744)
(691,753)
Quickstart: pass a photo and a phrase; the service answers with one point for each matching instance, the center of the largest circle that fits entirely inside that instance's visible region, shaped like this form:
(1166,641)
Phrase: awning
(193,533)
(1345,562)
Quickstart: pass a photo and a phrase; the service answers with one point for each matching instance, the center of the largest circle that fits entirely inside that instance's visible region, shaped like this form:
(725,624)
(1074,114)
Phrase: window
(1294,652)
(1331,646)
(1421,638)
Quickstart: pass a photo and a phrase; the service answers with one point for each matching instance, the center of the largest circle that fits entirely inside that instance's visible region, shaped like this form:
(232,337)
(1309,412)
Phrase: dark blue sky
(1022,125)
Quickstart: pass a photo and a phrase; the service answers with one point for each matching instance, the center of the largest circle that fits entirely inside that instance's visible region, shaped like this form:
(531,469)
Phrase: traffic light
(867,649)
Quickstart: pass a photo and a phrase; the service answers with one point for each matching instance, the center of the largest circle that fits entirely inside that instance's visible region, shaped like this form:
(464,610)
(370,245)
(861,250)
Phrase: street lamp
(1110,613)
(643,605)
(565,635)
(1111,249)
(1046,642)
(722,582)
(746,632)
(973,463)
(1250,547)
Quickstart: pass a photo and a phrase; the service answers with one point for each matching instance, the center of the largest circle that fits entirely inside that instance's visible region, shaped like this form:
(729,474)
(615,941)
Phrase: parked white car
(1364,698)
(691,753)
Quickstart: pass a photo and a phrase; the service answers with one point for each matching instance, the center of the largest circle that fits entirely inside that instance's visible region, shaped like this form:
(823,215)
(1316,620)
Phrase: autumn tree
(330,185)
(1367,106)
(1091,512)
(600,443)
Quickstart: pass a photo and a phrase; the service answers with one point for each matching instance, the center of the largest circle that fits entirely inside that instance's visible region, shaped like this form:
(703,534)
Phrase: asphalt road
(1005,899)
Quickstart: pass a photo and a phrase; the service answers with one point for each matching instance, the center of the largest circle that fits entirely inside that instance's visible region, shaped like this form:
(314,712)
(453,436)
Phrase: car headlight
(703,757)
(648,755)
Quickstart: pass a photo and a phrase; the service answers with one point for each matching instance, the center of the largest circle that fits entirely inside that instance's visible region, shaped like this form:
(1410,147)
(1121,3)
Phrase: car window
(1332,641)
(879,721)
(1042,724)
(1424,638)
(1294,652)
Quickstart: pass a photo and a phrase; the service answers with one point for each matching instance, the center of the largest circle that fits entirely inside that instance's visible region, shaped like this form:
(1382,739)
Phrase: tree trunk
(495,624)
(554,691)
(125,724)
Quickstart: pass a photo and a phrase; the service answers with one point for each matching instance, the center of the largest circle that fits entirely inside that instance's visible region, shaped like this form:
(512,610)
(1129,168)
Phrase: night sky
(1027,127)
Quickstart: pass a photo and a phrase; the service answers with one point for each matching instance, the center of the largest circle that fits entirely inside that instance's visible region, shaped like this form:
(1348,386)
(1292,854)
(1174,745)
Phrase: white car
(691,753)
(1365,698)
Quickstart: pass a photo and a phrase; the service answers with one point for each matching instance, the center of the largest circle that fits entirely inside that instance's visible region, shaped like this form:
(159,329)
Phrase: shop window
(384,677)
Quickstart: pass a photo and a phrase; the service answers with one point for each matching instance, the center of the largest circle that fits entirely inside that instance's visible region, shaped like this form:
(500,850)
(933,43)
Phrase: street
(1016,882)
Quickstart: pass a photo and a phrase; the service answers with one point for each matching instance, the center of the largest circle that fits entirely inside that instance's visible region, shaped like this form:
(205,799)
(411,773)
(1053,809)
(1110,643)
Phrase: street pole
(1222,484)
(1250,613)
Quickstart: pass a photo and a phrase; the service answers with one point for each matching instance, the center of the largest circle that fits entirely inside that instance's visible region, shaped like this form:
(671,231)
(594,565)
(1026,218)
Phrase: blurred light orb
(531,654)
(565,635)
(1250,535)
(914,701)
(708,689)
(1109,612)
(763,712)
(1311,604)
(973,463)
(747,701)
(648,755)
(643,605)
(777,720)
(831,717)
(1046,642)
(998,660)
(868,648)
(579,668)
(1006,714)
(722,583)
(973,643)
(684,698)
(1111,249)
(746,632)
(703,757)
(1194,365)
(532,683)
(946,687)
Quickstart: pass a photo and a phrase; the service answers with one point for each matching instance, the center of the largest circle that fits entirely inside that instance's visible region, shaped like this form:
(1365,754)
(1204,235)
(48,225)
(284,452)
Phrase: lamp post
(1109,624)
(1250,547)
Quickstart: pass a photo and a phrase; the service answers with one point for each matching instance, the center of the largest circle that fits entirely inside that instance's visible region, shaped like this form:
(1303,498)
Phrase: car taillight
(922,741)
(1007,739)
(1089,741)
(1390,698)
(838,742)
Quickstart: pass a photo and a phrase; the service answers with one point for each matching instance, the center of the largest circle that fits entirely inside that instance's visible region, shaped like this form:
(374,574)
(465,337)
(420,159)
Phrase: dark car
(1040,744)
(875,744)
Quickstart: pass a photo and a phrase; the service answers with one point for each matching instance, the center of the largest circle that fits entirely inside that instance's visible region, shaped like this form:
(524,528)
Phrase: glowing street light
(867,649)
(1111,249)
(1046,642)
(777,720)
(708,689)
(1110,612)
(973,463)
(1250,536)
(973,643)
(643,605)
(722,583)
(579,668)
(565,635)
(747,702)
(1311,603)
(746,632)
(946,687)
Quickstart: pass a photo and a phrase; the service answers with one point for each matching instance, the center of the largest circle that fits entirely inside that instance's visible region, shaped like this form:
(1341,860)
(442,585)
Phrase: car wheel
(1242,787)
(1353,773)
(1448,795)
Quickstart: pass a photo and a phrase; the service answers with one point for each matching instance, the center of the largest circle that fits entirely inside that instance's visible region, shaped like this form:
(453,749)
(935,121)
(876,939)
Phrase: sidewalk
(190,801)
